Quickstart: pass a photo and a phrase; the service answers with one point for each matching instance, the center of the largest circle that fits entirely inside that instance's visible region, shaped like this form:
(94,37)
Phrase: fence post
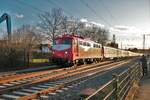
(116,86)
(140,73)
(137,72)
(134,74)
(141,70)
(131,76)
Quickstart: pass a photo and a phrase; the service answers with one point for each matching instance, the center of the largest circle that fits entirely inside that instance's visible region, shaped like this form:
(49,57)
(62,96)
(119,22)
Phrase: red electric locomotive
(72,49)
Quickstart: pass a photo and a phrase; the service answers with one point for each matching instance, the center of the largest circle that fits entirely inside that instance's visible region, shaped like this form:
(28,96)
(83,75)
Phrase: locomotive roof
(76,36)
(69,36)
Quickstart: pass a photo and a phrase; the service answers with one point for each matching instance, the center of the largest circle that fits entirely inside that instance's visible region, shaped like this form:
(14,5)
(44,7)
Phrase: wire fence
(118,87)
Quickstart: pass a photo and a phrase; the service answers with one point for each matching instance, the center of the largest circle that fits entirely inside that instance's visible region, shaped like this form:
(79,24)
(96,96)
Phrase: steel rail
(52,75)
(60,86)
(50,90)
(32,74)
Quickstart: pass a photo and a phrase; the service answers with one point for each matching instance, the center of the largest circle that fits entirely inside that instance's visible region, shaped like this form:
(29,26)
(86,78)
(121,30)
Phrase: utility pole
(143,41)
(121,45)
(114,38)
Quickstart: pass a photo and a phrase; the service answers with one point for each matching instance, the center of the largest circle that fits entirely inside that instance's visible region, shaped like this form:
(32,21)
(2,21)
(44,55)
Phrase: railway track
(13,74)
(14,77)
(5,74)
(49,84)
(31,78)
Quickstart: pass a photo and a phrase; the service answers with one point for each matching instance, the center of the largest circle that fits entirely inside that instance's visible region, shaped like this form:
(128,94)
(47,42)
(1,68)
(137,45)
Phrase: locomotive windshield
(63,41)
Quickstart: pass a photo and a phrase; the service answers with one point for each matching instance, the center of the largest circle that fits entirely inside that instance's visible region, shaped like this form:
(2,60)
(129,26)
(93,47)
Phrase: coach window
(80,42)
(84,43)
(96,45)
(88,44)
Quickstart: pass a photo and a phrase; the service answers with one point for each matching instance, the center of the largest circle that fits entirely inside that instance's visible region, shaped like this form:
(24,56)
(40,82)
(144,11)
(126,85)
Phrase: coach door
(76,47)
(102,52)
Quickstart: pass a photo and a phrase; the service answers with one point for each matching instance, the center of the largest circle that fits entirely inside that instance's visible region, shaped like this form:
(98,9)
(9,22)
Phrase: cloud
(97,24)
(91,23)
(19,16)
(83,20)
(119,27)
(129,29)
(125,29)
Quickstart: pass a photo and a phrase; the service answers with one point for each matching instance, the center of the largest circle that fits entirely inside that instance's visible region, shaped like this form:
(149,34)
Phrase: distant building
(45,46)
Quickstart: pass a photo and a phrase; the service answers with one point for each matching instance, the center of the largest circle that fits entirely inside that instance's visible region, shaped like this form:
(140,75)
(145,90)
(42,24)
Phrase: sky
(127,19)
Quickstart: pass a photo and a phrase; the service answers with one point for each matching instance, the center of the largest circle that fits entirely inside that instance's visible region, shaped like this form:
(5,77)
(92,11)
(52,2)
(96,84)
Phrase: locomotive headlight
(66,52)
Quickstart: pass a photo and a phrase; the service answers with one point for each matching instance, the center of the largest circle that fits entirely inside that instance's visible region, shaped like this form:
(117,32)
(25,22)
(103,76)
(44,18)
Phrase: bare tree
(95,33)
(27,38)
(71,25)
(54,23)
(102,36)
(51,22)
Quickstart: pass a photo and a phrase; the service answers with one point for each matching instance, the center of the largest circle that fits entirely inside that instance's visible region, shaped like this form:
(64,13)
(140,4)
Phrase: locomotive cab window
(67,41)
(63,41)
